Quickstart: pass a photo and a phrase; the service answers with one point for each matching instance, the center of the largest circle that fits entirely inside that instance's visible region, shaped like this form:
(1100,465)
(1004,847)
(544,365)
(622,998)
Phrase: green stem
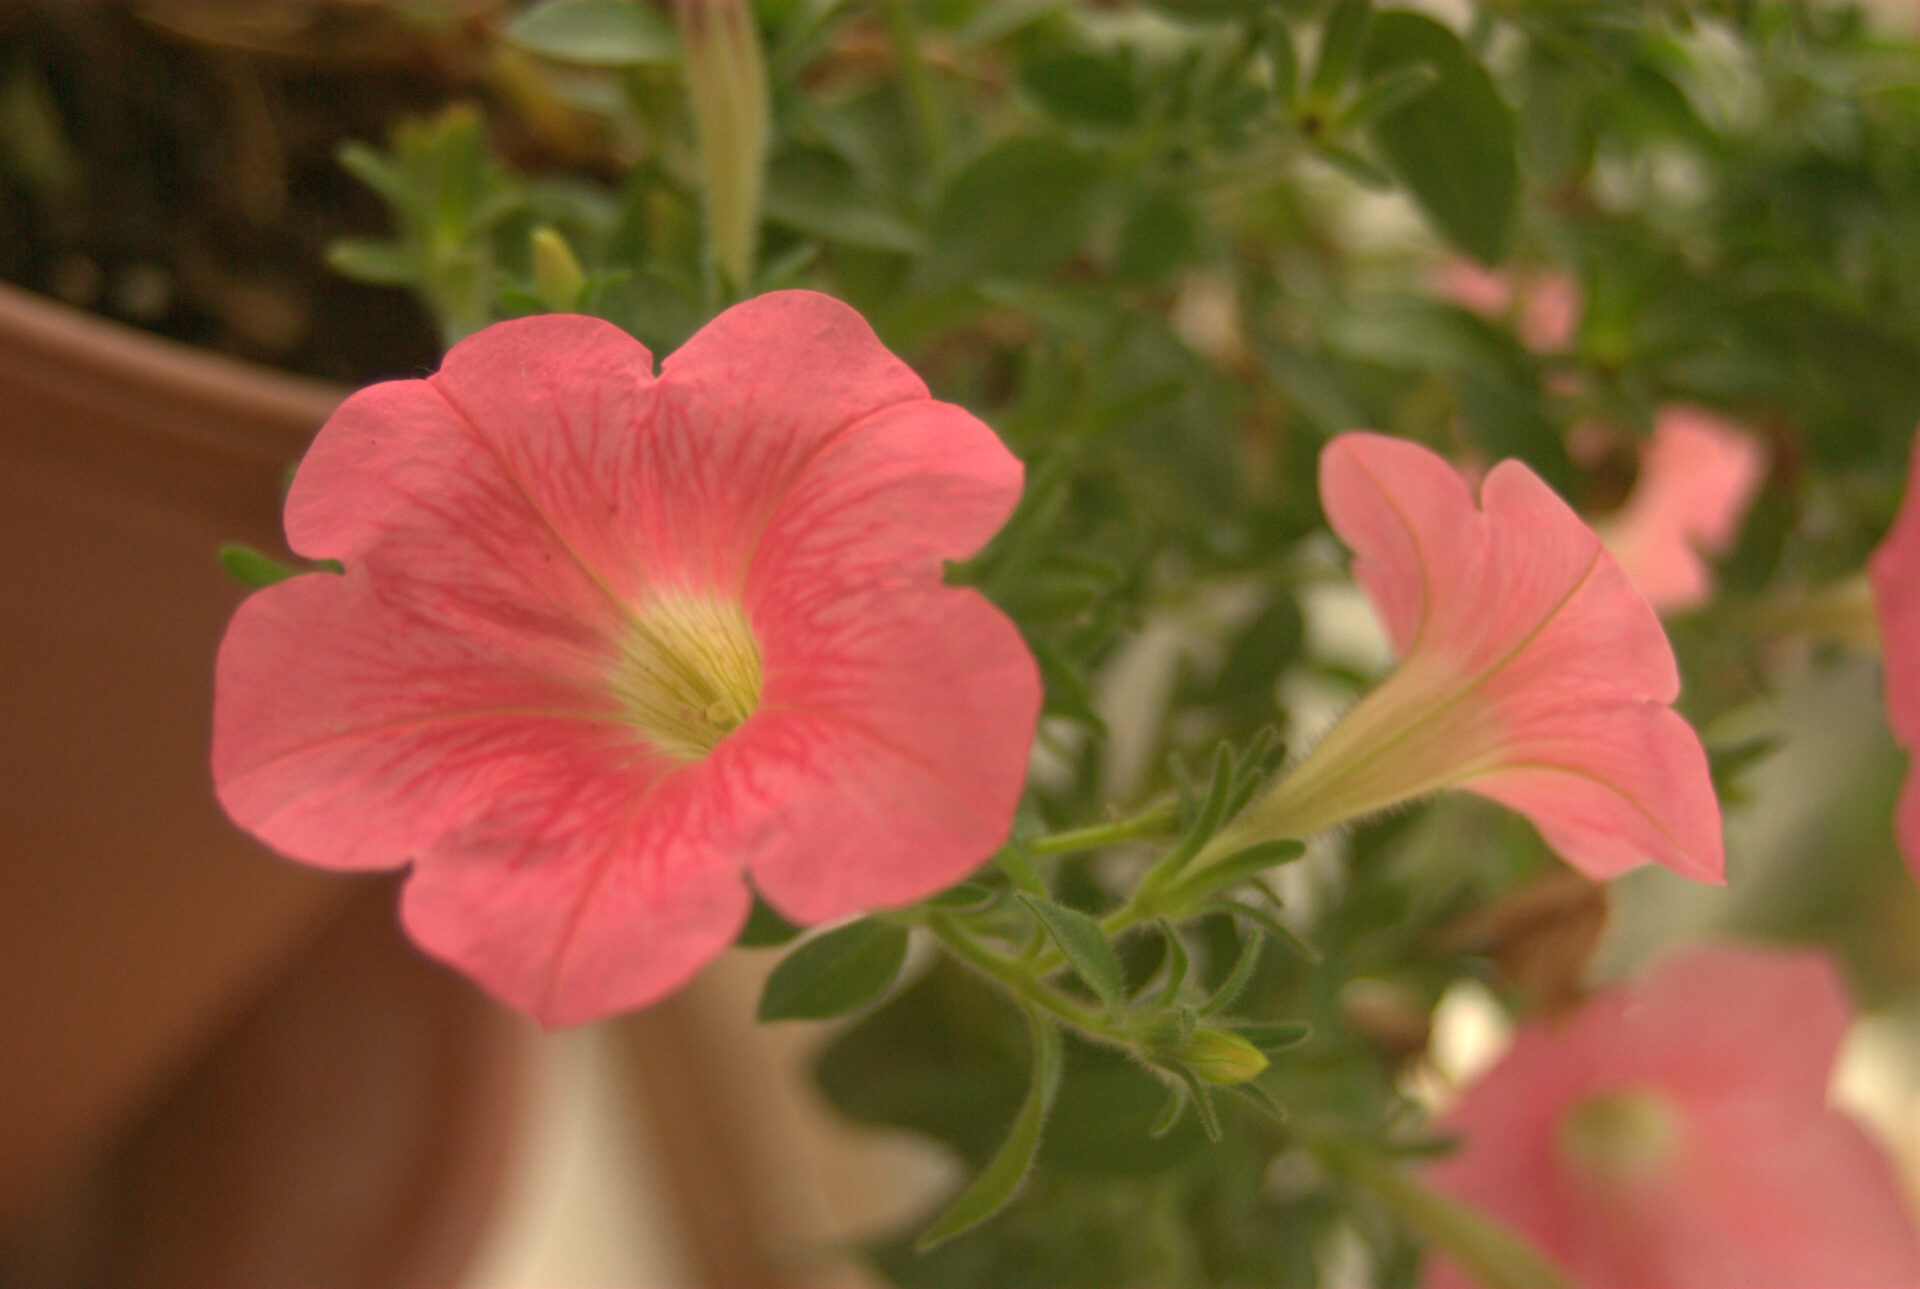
(913,70)
(1486,1250)
(1152,822)
(1022,980)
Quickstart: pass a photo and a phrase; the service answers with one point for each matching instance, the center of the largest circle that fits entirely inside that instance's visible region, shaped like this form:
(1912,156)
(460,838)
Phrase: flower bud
(557,277)
(1218,1056)
(727,85)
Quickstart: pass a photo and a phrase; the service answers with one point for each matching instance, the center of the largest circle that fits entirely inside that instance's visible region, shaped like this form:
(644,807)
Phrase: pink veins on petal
(1675,1134)
(1894,571)
(1531,672)
(608,641)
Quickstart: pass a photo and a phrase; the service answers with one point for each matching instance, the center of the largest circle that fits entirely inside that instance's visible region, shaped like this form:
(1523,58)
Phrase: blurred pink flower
(1676,1135)
(1545,304)
(606,642)
(1698,475)
(1894,571)
(1531,672)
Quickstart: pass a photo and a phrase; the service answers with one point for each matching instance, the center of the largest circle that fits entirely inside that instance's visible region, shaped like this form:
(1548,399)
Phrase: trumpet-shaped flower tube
(1676,1135)
(1697,477)
(1531,672)
(608,642)
(1894,572)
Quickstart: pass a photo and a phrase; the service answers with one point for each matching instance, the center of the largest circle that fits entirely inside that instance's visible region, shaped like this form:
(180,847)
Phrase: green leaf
(946,1057)
(1260,1099)
(1015,211)
(1503,419)
(1000,1180)
(1279,930)
(251,568)
(379,263)
(1235,868)
(1385,93)
(1170,1114)
(1454,144)
(255,568)
(967,895)
(1160,233)
(596,33)
(1083,90)
(1206,818)
(1236,982)
(1202,1096)
(816,193)
(832,974)
(1084,944)
(765,928)
(367,164)
(1273,1036)
(1176,962)
(1340,44)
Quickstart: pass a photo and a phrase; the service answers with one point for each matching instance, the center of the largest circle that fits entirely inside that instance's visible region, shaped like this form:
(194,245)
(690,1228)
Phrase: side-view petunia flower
(1697,476)
(1894,572)
(1530,672)
(609,643)
(1676,1134)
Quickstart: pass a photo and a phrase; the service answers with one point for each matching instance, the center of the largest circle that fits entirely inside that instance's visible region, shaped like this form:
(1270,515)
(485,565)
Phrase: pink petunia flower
(1531,672)
(1894,571)
(1545,304)
(1676,1135)
(606,641)
(1697,477)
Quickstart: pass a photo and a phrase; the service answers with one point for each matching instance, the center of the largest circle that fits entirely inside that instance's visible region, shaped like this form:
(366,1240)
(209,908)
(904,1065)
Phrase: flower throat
(688,673)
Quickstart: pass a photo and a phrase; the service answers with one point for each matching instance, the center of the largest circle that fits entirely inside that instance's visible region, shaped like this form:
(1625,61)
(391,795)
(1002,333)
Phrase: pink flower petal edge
(1697,478)
(1736,1172)
(1894,572)
(1531,672)
(549,550)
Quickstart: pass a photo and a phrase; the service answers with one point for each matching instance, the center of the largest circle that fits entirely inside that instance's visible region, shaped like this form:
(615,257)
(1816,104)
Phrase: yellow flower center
(1621,1136)
(688,673)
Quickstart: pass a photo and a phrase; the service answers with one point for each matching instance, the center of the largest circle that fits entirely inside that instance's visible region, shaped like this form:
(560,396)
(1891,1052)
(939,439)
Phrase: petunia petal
(902,491)
(898,731)
(1611,785)
(1766,1184)
(581,893)
(510,463)
(1532,672)
(358,754)
(746,406)
(1697,476)
(1408,519)
(1894,570)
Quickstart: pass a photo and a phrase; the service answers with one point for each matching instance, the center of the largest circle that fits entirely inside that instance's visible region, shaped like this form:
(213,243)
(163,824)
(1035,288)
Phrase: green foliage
(1453,141)
(1083,944)
(253,568)
(1144,242)
(596,33)
(835,973)
(995,1185)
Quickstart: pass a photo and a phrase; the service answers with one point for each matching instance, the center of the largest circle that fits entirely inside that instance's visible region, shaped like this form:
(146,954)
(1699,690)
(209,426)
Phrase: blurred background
(219,1069)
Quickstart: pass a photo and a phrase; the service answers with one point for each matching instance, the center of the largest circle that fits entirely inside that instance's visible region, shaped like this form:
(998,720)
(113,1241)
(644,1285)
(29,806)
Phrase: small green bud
(1217,1056)
(557,277)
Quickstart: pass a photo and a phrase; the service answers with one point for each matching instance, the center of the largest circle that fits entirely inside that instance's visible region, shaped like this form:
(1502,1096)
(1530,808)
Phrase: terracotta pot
(146,946)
